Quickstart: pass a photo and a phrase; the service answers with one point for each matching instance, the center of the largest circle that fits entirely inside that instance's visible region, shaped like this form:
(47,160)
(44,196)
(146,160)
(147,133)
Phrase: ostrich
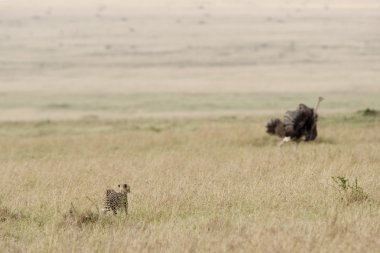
(297,125)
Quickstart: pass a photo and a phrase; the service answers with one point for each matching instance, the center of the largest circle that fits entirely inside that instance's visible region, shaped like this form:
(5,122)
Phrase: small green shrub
(351,192)
(370,112)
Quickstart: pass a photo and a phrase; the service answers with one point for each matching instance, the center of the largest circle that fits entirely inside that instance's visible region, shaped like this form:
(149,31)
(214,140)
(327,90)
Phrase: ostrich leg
(286,139)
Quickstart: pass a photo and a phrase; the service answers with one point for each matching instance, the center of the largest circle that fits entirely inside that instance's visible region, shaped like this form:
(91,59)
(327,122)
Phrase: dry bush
(6,214)
(350,192)
(370,112)
(80,218)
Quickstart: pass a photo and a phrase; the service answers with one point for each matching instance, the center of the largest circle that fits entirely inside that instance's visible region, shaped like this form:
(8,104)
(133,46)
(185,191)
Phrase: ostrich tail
(273,125)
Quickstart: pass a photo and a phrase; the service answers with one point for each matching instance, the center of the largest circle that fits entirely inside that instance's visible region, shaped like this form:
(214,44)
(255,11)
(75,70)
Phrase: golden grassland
(140,92)
(198,185)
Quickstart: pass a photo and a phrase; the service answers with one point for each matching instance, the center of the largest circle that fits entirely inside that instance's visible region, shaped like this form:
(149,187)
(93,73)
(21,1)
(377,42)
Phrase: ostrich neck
(317,105)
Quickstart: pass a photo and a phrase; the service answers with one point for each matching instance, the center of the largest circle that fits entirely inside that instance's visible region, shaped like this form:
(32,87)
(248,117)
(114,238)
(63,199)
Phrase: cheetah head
(125,188)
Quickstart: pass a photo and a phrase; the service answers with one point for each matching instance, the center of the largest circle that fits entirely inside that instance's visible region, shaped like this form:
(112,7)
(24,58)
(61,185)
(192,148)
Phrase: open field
(35,106)
(198,185)
(172,98)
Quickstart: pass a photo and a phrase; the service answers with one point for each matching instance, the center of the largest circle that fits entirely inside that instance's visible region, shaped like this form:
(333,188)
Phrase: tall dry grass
(216,185)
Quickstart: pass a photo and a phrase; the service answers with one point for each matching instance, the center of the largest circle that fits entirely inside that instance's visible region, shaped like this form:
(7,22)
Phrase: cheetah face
(125,187)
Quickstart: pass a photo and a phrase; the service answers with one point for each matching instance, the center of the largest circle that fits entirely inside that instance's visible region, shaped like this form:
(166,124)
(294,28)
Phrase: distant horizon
(189,46)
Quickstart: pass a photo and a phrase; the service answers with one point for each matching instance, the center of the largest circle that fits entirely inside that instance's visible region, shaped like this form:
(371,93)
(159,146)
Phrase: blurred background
(164,58)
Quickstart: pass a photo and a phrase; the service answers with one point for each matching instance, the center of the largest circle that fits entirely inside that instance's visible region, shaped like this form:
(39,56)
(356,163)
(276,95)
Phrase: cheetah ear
(118,185)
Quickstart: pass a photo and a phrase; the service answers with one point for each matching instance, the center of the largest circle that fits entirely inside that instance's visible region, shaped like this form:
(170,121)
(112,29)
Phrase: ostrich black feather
(300,124)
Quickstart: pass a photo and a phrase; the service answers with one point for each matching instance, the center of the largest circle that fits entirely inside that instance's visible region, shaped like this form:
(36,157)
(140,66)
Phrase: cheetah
(116,200)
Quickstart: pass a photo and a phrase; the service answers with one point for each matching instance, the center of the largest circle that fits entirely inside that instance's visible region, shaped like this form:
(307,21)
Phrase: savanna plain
(173,100)
(204,185)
